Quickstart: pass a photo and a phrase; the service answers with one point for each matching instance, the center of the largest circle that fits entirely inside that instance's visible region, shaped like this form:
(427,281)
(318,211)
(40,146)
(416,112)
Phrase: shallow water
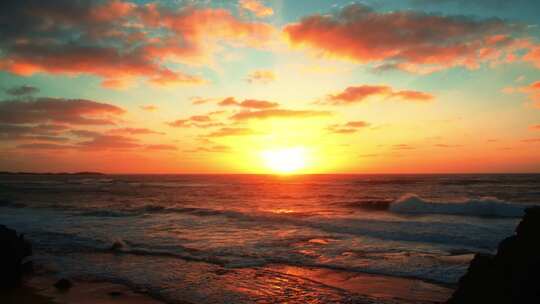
(215,238)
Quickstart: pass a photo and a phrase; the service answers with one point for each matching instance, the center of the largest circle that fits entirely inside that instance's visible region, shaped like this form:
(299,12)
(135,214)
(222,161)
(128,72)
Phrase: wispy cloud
(357,94)
(278,113)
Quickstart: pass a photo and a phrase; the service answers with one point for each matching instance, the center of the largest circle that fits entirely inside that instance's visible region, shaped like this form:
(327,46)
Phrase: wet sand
(40,290)
(261,285)
(384,288)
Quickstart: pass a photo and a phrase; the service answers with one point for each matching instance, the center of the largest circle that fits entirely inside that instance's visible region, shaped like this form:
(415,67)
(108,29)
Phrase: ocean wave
(484,206)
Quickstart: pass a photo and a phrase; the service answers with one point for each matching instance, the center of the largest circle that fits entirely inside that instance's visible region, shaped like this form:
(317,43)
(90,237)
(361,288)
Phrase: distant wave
(484,206)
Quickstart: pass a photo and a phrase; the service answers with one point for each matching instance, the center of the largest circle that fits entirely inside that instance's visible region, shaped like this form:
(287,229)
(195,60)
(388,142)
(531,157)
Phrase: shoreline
(370,288)
(39,289)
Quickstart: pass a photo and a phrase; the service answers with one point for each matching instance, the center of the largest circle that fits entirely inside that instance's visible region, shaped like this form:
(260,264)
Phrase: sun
(285,160)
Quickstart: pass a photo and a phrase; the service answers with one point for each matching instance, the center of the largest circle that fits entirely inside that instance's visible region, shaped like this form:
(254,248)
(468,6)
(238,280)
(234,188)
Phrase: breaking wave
(484,206)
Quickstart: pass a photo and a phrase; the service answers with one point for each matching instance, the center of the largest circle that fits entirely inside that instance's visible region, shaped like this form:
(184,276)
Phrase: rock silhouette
(510,276)
(13,250)
(63,284)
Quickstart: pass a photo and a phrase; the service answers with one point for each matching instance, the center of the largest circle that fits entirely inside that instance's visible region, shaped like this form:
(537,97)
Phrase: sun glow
(287,160)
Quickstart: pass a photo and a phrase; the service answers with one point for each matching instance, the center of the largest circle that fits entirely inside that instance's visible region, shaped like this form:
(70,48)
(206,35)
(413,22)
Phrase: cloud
(198,121)
(44,146)
(223,132)
(408,40)
(403,147)
(58,110)
(447,146)
(261,76)
(256,7)
(161,147)
(534,127)
(149,108)
(532,91)
(347,128)
(413,96)
(533,56)
(211,149)
(85,133)
(258,104)
(35,132)
(134,131)
(117,41)
(248,103)
(531,140)
(200,118)
(199,100)
(278,113)
(109,142)
(180,123)
(22,90)
(229,101)
(357,94)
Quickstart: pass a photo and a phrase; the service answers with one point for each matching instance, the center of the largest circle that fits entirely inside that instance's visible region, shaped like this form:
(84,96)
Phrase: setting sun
(287,160)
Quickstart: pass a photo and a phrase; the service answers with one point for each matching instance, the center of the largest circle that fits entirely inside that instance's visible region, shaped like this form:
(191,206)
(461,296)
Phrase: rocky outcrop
(510,276)
(63,284)
(13,250)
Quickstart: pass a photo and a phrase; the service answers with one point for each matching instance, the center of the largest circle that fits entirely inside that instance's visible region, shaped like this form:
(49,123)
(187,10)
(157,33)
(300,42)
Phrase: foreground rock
(13,250)
(512,275)
(63,284)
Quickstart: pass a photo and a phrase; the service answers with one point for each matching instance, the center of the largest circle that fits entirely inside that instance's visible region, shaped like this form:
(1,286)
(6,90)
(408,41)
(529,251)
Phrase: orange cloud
(109,142)
(447,146)
(200,30)
(256,7)
(223,132)
(134,131)
(211,149)
(199,121)
(44,146)
(77,40)
(161,147)
(149,108)
(535,127)
(278,113)
(403,147)
(357,94)
(42,132)
(199,100)
(261,76)
(531,140)
(347,128)
(258,104)
(533,56)
(413,96)
(58,110)
(408,40)
(249,103)
(532,91)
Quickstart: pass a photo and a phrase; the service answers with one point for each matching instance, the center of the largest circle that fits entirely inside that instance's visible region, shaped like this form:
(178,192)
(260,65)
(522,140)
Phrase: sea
(226,238)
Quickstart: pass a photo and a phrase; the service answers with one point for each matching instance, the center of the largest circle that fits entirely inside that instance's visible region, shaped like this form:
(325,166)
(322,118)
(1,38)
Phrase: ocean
(225,238)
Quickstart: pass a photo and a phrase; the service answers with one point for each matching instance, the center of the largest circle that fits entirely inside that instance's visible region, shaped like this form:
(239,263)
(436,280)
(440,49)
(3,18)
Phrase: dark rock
(63,284)
(115,293)
(13,250)
(117,246)
(510,276)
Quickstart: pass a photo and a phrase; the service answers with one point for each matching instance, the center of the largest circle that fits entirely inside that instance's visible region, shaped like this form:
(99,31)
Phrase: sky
(260,86)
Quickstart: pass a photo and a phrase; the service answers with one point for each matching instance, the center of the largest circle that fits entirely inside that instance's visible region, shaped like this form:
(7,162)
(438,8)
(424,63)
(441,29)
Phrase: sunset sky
(416,86)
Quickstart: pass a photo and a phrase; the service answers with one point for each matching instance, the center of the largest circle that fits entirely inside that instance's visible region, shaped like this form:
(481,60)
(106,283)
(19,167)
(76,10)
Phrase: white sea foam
(484,206)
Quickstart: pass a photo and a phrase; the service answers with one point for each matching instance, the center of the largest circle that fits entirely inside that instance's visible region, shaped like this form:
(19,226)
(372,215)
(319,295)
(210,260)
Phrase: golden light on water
(285,160)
